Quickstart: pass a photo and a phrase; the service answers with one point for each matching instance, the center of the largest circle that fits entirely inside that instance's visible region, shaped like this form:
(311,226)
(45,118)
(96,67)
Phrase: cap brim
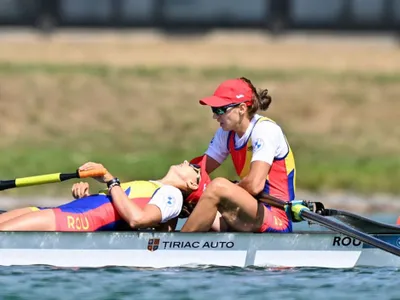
(214,101)
(202,162)
(204,179)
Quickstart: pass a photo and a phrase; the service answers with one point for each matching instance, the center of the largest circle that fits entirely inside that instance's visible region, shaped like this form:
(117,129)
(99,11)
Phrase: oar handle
(273,201)
(91,173)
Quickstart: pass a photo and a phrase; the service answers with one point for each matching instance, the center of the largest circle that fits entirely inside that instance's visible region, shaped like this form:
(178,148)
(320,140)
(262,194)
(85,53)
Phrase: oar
(48,178)
(335,226)
(361,223)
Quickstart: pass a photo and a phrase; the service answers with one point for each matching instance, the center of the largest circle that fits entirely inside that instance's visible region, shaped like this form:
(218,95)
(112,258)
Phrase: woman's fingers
(90,166)
(80,190)
(75,190)
(96,166)
(83,189)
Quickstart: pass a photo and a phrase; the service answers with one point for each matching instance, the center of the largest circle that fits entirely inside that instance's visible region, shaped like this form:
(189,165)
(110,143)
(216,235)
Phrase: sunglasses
(219,111)
(196,167)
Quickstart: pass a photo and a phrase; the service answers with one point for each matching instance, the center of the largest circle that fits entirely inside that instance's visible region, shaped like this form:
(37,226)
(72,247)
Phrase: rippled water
(198,283)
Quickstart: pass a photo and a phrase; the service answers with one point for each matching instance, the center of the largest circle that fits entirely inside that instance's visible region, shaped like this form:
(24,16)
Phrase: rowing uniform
(97,213)
(262,141)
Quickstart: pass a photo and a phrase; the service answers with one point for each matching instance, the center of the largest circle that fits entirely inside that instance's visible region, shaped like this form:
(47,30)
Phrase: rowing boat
(149,249)
(160,250)
(353,241)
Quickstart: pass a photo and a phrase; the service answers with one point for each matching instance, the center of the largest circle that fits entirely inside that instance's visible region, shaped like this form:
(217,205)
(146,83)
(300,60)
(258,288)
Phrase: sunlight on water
(199,283)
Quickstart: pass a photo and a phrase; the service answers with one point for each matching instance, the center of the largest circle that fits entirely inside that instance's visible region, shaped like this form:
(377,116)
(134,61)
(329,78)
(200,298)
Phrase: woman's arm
(254,182)
(135,216)
(165,205)
(211,164)
(268,142)
(217,150)
(130,212)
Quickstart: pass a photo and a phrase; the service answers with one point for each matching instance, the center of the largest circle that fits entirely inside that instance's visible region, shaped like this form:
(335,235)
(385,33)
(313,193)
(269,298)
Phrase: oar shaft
(335,226)
(347,230)
(361,223)
(36,180)
(48,178)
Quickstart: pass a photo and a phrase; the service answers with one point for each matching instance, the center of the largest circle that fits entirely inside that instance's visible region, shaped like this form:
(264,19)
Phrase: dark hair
(261,99)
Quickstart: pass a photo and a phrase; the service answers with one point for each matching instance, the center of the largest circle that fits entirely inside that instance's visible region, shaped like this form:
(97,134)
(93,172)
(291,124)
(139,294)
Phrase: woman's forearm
(250,186)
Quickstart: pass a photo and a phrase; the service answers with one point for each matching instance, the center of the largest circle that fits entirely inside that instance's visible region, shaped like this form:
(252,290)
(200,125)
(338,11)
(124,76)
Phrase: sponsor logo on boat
(345,241)
(197,245)
(153,244)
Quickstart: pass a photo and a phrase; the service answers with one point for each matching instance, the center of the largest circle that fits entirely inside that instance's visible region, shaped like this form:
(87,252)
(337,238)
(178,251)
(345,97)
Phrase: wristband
(113,182)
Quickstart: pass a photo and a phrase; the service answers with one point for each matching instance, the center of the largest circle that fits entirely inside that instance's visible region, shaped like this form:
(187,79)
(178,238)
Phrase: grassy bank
(139,120)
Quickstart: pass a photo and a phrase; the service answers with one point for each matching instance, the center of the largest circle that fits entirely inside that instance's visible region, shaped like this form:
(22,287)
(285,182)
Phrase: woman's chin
(223,126)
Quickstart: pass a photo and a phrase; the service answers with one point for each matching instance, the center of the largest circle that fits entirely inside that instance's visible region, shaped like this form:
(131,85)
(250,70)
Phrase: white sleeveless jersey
(169,200)
(268,142)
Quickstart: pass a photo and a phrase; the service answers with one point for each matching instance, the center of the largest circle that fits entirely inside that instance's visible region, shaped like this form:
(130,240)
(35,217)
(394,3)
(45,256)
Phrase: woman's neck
(172,180)
(241,128)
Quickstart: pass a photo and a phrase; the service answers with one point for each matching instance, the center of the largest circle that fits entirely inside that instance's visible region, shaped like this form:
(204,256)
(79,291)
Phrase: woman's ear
(242,109)
(192,185)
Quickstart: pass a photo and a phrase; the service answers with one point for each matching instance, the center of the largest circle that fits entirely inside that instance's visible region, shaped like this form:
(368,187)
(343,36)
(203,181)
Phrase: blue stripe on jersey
(85,204)
(291,185)
(266,187)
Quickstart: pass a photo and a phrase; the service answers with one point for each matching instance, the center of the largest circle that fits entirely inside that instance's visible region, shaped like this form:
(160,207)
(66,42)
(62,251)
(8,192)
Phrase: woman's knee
(219,187)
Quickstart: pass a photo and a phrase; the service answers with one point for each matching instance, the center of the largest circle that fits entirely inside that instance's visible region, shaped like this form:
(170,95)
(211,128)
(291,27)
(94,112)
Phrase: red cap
(204,179)
(231,91)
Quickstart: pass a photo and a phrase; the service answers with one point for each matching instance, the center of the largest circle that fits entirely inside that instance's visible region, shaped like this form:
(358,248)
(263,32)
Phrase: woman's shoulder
(268,126)
(265,122)
(168,193)
(170,190)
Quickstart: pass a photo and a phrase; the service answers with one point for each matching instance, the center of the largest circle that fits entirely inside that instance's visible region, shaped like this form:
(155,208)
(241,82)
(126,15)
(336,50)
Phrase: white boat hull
(160,250)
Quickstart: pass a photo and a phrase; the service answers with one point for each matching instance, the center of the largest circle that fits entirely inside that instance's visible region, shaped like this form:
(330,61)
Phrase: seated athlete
(131,205)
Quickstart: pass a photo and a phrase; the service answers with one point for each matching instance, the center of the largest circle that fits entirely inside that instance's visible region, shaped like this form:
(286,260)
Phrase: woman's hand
(96,166)
(80,190)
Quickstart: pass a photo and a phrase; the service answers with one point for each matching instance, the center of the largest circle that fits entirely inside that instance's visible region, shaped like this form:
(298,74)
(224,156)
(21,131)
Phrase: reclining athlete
(126,206)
